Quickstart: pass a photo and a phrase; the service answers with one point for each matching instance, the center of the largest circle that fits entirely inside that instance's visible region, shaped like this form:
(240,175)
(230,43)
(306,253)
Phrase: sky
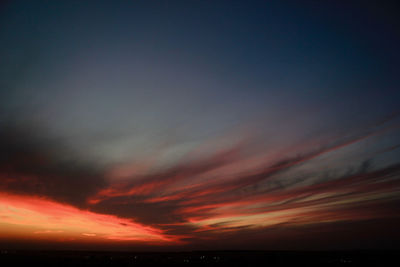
(174,125)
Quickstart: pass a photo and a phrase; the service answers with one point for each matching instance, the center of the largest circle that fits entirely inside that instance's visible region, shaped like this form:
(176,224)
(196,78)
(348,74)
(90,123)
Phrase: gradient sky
(199,124)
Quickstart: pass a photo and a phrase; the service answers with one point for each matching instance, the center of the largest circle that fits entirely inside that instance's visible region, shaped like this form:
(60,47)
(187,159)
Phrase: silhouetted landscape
(199,258)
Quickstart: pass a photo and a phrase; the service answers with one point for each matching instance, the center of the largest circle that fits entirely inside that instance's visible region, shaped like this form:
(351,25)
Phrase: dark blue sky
(137,94)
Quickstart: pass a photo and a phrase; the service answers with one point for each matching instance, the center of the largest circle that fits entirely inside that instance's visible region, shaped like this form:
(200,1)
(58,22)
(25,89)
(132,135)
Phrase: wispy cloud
(228,191)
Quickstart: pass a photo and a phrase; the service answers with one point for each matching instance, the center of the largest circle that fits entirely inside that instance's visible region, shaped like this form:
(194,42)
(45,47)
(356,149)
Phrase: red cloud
(36,217)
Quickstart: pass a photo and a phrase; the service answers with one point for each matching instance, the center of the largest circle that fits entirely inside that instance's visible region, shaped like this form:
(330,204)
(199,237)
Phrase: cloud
(34,164)
(200,198)
(26,216)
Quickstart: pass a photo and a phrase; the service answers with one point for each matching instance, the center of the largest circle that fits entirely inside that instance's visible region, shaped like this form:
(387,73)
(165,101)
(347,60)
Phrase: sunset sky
(173,125)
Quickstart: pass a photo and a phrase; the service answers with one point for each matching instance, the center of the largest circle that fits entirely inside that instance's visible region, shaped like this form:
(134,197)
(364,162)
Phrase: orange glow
(39,218)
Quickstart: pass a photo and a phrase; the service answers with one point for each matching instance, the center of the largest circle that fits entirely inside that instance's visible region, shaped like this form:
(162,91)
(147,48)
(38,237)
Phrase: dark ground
(199,258)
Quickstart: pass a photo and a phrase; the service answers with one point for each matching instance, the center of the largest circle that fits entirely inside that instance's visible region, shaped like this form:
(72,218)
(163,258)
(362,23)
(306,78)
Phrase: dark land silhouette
(199,258)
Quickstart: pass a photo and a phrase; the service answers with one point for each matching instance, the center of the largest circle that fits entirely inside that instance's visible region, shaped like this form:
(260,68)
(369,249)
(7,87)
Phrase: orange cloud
(32,216)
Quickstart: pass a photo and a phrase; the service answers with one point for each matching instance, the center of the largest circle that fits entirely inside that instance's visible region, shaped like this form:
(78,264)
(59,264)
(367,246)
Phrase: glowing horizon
(37,217)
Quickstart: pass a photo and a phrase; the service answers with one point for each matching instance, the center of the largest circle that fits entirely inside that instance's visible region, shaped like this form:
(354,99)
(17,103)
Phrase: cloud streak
(200,198)
(29,217)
